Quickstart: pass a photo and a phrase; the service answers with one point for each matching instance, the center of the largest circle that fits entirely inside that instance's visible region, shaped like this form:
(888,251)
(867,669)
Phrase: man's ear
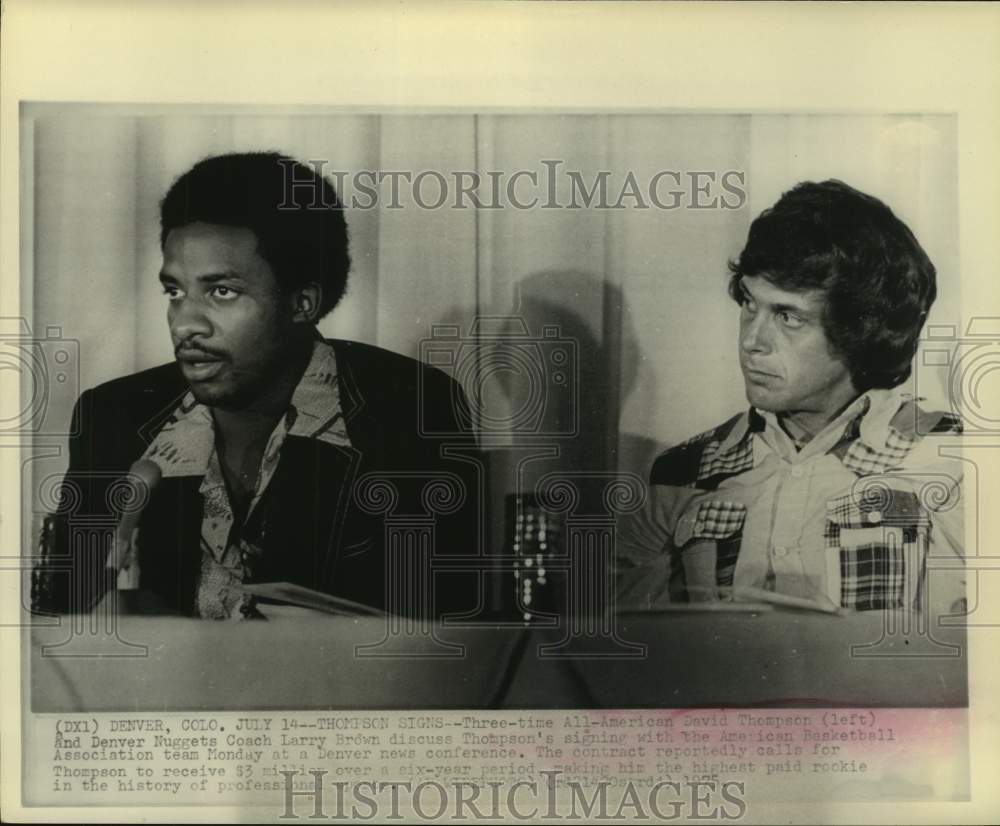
(306,303)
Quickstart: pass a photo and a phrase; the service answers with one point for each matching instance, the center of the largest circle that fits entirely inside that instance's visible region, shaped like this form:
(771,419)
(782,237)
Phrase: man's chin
(213,395)
(762,399)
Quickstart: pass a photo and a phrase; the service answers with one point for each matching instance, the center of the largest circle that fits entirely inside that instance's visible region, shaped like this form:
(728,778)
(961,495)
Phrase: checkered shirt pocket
(882,548)
(872,577)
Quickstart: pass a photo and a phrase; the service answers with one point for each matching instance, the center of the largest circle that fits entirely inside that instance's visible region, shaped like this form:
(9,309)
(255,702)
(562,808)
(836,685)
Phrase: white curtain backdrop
(640,291)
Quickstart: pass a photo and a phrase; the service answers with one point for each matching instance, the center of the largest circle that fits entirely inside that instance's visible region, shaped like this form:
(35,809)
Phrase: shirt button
(781,551)
(797,471)
(875,517)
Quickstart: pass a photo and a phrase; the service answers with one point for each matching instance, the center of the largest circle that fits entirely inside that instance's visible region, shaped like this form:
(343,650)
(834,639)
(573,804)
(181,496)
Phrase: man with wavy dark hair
(815,492)
(876,281)
(251,450)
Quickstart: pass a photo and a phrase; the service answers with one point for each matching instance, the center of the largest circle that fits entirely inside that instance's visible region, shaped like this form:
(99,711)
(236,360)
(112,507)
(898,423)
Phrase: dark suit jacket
(312,525)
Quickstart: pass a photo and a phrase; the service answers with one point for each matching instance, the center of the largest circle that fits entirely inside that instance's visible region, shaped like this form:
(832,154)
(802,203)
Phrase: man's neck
(803,425)
(240,427)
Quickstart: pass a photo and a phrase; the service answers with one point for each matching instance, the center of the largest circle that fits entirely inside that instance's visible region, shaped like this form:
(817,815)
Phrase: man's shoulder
(899,432)
(368,362)
(679,465)
(400,388)
(147,388)
(116,419)
(383,375)
(141,396)
(915,419)
(915,437)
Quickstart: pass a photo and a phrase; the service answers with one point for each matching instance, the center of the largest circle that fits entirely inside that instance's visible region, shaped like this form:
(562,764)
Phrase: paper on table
(293,594)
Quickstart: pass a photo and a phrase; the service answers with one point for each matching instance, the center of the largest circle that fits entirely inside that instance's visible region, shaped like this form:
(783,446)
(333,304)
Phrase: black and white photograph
(497,460)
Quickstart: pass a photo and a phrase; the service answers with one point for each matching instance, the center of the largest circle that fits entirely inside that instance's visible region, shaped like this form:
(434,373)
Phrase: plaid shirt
(186,447)
(849,520)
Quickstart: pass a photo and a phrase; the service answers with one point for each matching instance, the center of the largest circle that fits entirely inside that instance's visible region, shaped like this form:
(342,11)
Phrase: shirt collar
(186,443)
(868,418)
(315,409)
(874,428)
(748,422)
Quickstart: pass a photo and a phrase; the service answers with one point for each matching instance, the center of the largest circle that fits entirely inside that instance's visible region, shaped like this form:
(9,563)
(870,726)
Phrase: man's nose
(187,318)
(755,334)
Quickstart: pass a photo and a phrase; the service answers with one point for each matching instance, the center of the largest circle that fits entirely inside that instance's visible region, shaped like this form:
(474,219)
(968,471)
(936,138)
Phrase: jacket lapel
(352,400)
(303,521)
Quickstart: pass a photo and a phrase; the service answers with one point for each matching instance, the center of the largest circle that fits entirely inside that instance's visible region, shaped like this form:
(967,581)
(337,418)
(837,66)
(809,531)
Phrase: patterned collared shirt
(848,520)
(186,446)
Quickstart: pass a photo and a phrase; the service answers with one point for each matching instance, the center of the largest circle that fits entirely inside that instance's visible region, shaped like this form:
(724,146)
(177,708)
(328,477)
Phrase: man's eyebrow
(213,277)
(784,307)
(207,278)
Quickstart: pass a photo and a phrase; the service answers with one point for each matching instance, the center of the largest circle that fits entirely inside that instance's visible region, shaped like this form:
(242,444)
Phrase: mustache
(194,352)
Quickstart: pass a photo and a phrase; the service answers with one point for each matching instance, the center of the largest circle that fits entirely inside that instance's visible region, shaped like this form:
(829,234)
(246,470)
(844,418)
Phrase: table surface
(302,659)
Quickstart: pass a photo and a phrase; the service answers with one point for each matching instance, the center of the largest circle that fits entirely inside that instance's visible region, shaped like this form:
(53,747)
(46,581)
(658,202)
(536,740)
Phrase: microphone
(142,478)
